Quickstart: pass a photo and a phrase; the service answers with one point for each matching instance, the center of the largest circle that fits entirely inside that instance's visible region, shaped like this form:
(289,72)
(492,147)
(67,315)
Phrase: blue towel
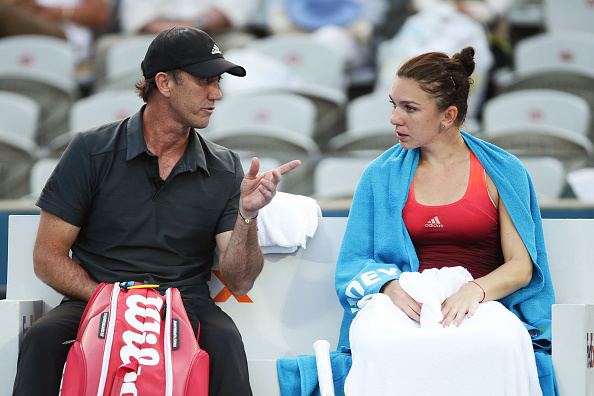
(299,377)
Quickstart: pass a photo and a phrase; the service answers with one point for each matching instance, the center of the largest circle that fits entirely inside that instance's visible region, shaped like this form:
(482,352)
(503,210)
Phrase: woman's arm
(362,268)
(512,275)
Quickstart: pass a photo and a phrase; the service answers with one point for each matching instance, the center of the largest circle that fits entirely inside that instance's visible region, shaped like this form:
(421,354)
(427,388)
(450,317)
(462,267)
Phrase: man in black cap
(148,199)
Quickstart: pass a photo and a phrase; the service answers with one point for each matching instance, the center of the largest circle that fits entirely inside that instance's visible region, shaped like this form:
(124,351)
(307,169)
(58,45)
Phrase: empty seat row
(43,68)
(282,125)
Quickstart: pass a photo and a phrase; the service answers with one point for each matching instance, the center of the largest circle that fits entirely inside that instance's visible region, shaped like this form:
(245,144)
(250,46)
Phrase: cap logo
(216,50)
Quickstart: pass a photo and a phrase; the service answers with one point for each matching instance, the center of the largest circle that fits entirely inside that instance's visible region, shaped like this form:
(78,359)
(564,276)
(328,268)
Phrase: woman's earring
(442,126)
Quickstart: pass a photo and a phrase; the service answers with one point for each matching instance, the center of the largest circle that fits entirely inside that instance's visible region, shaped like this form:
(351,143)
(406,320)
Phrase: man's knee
(222,333)
(52,330)
(221,338)
(47,337)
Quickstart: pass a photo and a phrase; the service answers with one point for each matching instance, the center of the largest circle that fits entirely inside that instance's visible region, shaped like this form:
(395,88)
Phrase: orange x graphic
(225,293)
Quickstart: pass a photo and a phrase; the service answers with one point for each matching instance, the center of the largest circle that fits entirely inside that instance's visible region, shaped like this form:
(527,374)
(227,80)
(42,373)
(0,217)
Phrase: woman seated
(443,271)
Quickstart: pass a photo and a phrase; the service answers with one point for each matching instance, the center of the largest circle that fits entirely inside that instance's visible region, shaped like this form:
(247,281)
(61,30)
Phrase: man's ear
(162,81)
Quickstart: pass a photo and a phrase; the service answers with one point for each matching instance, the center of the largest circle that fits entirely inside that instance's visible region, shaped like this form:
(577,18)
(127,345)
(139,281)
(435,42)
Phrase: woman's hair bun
(466,59)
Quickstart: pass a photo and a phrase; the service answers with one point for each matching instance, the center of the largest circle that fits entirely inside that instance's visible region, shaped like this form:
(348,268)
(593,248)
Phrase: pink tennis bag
(134,341)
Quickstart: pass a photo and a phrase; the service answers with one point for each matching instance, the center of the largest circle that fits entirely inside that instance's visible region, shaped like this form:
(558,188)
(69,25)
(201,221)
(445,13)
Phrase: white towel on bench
(489,354)
(286,222)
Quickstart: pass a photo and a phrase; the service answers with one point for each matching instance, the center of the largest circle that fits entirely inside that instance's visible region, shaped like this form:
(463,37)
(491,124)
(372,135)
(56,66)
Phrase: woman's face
(415,117)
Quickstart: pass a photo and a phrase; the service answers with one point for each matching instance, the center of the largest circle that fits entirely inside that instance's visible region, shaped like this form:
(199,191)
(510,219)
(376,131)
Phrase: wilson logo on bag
(134,341)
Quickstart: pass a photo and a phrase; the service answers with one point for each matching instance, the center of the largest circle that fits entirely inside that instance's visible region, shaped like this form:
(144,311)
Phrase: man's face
(193,99)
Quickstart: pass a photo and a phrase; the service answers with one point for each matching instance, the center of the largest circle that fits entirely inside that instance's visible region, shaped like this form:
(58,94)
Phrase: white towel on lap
(431,288)
(286,222)
(489,354)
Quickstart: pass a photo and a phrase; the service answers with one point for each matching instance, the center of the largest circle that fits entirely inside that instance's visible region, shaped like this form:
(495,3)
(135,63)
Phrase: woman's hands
(454,309)
(461,304)
(402,300)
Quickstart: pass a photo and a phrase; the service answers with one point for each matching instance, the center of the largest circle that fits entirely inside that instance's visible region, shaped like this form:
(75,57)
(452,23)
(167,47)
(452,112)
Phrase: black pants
(42,354)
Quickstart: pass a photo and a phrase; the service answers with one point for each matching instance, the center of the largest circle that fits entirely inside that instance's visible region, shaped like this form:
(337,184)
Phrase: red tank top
(464,233)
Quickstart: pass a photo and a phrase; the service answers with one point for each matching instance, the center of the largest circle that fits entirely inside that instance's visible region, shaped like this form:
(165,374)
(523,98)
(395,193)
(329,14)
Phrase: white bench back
(570,249)
(569,242)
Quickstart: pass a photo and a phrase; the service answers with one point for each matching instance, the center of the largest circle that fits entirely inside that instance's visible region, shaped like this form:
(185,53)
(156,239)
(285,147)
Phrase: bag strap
(167,345)
(120,376)
(109,340)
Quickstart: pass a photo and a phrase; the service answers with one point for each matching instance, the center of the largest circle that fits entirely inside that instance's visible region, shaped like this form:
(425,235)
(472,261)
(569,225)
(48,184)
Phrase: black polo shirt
(134,227)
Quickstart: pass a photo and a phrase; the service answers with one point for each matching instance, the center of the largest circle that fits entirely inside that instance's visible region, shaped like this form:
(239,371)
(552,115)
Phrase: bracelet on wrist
(247,220)
(484,294)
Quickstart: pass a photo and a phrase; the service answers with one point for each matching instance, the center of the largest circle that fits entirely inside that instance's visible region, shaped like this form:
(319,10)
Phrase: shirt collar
(135,138)
(192,159)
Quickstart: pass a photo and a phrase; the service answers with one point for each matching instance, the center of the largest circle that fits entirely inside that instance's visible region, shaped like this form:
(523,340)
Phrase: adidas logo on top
(215,50)
(434,223)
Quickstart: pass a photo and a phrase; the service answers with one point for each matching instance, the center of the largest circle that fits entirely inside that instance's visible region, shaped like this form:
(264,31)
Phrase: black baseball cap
(189,49)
